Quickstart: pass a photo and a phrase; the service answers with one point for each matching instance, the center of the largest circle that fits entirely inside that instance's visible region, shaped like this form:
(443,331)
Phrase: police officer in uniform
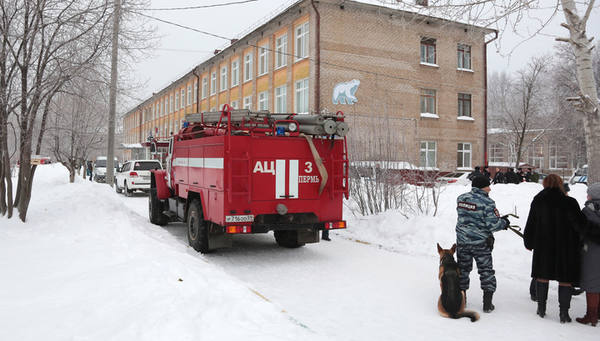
(478,218)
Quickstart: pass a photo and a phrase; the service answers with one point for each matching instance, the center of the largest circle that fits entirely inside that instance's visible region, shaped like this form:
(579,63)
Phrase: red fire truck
(239,172)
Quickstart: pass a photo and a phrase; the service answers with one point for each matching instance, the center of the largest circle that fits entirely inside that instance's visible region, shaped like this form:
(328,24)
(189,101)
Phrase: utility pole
(110,155)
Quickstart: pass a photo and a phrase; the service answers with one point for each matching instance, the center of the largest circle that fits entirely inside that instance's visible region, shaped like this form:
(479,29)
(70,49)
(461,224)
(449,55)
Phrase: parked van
(99,172)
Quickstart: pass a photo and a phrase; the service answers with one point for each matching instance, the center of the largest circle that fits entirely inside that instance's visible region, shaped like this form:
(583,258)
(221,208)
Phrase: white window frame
(189,94)
(557,158)
(223,78)
(461,104)
(263,59)
(248,67)
(496,152)
(301,96)
(176,100)
(301,41)
(213,82)
(425,148)
(235,73)
(263,100)
(463,55)
(235,104)
(281,99)
(426,55)
(464,155)
(426,94)
(535,154)
(182,99)
(204,87)
(281,47)
(195,92)
(248,102)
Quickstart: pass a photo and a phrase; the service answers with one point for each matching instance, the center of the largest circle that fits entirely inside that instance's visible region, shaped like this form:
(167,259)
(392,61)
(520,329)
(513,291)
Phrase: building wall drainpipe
(485,98)
(317,57)
(197,90)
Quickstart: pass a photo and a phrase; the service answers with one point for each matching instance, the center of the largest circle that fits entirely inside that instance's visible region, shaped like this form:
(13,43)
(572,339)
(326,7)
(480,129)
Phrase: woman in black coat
(551,234)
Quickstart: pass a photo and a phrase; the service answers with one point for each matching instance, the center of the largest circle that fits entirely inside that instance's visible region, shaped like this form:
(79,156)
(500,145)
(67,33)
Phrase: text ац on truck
(238,172)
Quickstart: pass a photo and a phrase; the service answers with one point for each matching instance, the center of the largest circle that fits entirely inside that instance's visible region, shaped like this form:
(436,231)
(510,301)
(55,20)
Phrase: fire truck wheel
(287,239)
(197,229)
(155,209)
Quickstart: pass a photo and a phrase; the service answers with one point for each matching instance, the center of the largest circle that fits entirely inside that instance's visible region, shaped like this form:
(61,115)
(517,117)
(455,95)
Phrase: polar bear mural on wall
(343,93)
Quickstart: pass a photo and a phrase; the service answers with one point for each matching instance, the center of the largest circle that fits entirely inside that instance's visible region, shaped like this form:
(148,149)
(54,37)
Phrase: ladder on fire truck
(263,123)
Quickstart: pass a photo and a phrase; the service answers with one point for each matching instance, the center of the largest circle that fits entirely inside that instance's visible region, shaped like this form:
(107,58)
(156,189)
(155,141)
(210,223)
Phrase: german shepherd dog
(452,300)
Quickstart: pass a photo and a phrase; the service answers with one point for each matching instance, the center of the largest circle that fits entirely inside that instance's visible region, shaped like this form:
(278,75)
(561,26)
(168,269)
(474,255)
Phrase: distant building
(413,87)
(545,149)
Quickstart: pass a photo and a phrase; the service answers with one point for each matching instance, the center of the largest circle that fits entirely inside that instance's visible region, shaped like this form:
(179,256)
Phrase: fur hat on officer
(480,182)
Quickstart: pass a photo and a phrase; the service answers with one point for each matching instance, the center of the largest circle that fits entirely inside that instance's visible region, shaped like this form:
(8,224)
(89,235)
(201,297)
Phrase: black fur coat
(551,232)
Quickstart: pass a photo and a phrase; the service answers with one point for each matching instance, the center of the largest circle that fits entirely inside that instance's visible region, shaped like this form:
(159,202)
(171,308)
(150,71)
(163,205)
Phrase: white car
(135,175)
(456,178)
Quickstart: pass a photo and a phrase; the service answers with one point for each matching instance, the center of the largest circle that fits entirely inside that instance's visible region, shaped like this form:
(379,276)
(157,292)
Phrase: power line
(287,53)
(200,6)
(182,26)
(181,50)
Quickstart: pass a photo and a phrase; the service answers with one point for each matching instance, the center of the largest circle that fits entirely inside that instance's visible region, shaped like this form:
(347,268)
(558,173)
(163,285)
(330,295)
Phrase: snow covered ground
(89,266)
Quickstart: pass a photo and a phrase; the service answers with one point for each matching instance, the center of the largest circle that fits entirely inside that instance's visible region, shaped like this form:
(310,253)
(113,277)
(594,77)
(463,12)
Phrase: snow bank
(86,267)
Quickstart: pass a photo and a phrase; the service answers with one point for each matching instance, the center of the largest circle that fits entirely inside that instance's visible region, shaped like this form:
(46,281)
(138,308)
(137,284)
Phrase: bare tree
(518,103)
(78,119)
(511,15)
(46,43)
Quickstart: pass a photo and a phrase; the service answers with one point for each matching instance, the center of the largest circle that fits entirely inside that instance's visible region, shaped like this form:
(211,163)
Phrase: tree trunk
(589,104)
(110,162)
(71,174)
(25,177)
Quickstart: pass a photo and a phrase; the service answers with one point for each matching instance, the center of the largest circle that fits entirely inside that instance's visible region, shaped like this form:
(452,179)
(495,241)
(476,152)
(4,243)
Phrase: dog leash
(515,228)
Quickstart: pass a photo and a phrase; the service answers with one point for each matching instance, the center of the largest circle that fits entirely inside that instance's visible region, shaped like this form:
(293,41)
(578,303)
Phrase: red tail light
(133,174)
(332,225)
(451,181)
(239,229)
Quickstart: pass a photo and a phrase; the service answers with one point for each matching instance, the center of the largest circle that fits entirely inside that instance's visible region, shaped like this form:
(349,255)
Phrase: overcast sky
(178,49)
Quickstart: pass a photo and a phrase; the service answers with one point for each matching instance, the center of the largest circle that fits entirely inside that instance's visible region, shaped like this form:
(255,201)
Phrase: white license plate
(239,218)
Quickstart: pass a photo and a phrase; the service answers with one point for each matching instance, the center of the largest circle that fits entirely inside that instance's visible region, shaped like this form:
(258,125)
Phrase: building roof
(426,14)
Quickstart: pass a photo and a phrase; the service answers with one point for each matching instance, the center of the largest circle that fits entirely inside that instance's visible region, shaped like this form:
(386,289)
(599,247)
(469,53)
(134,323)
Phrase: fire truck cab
(240,172)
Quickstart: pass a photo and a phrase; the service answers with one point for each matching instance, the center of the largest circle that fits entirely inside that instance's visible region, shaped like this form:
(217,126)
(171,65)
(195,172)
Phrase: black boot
(532,289)
(487,302)
(564,302)
(541,290)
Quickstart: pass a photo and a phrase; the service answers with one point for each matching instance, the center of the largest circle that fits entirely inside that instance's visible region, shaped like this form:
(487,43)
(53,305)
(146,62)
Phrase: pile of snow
(89,265)
(85,266)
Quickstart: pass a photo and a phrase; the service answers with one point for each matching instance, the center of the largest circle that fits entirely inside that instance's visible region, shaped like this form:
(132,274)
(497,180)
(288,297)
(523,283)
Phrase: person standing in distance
(478,219)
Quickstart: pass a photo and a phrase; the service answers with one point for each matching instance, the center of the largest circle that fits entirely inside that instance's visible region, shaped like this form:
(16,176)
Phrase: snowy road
(346,290)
